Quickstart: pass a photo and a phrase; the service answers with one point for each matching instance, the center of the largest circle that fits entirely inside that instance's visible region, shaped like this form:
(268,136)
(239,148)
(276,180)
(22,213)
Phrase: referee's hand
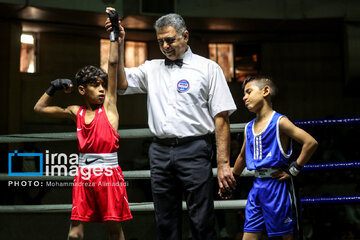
(226,178)
(225,195)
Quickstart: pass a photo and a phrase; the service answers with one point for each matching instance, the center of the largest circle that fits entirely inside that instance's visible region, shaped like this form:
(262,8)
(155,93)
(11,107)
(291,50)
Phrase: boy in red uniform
(99,192)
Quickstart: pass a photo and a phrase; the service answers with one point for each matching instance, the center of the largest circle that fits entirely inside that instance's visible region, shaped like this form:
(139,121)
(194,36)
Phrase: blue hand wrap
(293,169)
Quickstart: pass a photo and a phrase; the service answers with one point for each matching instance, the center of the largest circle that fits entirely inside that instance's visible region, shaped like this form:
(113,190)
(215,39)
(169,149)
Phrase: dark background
(310,48)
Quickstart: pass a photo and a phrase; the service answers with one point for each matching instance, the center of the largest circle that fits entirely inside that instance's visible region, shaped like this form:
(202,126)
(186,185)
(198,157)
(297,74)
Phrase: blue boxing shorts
(268,208)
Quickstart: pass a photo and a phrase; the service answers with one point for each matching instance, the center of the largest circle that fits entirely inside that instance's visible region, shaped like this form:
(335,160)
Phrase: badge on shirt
(183,85)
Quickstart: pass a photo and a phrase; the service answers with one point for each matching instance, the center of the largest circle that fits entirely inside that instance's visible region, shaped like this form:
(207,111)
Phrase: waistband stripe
(264,172)
(92,160)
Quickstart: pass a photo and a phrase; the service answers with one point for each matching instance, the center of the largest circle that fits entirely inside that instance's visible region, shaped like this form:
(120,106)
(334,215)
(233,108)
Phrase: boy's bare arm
(240,162)
(43,104)
(111,92)
(121,78)
(43,107)
(113,61)
(309,144)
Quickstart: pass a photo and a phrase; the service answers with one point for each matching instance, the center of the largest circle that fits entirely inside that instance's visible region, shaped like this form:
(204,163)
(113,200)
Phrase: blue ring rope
(330,166)
(324,200)
(325,122)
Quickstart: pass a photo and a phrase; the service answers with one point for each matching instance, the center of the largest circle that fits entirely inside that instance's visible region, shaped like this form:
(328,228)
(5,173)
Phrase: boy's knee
(75,235)
(115,235)
(287,237)
(115,231)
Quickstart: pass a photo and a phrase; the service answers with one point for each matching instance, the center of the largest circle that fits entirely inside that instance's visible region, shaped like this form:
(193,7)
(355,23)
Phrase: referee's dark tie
(169,62)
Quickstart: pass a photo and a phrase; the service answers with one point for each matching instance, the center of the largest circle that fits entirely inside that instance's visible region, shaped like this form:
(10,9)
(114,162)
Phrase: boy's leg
(287,237)
(115,231)
(76,231)
(254,219)
(276,206)
(251,236)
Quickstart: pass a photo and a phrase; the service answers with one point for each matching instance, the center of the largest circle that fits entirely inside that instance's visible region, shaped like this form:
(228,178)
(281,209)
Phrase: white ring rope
(71,136)
(137,174)
(145,132)
(144,206)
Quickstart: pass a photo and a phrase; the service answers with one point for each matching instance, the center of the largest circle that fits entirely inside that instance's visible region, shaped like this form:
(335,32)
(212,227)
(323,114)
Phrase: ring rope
(317,200)
(137,133)
(145,132)
(144,206)
(71,136)
(149,206)
(137,174)
(145,174)
(68,136)
(326,122)
(331,166)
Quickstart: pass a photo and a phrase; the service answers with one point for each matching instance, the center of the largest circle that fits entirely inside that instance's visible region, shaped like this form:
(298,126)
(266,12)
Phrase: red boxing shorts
(99,194)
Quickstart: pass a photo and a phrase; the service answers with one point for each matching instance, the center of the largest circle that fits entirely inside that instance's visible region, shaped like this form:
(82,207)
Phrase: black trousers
(177,170)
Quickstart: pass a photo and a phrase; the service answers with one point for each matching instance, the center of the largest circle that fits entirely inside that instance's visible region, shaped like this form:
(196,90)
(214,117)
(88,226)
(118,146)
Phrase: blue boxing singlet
(264,150)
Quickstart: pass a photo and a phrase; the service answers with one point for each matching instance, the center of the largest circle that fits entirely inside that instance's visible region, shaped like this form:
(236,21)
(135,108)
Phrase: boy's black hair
(262,82)
(90,74)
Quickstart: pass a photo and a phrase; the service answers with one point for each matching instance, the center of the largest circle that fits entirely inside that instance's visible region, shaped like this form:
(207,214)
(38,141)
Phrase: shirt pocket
(188,92)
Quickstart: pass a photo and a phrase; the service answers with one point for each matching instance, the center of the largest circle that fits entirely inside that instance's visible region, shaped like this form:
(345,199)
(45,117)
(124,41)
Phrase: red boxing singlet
(99,191)
(99,136)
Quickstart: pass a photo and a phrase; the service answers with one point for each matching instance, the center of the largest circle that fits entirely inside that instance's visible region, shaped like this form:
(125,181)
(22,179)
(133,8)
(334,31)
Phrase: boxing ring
(145,174)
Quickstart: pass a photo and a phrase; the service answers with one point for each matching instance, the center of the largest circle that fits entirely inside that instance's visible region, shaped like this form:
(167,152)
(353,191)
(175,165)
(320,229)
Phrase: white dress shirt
(181,102)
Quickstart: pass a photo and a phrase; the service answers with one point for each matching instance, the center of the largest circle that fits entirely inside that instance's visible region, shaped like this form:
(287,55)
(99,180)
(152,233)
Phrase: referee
(188,99)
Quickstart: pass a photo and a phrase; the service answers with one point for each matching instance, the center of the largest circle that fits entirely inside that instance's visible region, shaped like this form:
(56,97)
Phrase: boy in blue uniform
(266,150)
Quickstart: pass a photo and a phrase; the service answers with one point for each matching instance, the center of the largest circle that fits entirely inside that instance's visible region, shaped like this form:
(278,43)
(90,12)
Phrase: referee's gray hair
(171,20)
